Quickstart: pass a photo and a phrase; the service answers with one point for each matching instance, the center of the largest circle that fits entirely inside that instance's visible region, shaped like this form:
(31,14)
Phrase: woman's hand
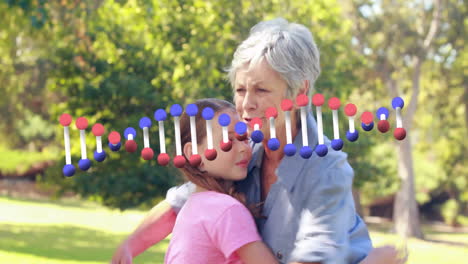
(386,255)
(122,255)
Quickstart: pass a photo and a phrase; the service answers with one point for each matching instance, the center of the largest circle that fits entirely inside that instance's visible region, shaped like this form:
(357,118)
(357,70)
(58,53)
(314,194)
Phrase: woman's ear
(305,88)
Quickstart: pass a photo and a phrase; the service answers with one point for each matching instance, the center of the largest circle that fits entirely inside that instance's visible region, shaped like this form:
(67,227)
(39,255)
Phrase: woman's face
(230,165)
(255,90)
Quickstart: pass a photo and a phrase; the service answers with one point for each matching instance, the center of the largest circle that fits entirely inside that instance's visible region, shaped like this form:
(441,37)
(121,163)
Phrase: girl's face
(230,165)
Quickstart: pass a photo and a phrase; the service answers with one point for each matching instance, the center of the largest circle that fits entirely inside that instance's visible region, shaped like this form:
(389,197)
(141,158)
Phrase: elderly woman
(308,208)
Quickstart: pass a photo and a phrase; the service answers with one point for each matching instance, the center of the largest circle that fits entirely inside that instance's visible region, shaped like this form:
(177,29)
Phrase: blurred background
(114,62)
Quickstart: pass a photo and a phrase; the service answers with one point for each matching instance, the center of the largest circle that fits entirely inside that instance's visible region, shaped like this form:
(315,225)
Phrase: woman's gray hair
(289,49)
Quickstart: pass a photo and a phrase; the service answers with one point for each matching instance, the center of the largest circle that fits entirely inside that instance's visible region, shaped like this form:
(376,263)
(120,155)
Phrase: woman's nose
(250,102)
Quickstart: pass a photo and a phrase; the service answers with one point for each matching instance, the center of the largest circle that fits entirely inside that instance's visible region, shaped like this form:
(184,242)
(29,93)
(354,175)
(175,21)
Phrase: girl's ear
(188,153)
(187,150)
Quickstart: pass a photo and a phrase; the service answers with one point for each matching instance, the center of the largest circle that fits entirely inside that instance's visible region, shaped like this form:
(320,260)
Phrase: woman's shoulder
(330,170)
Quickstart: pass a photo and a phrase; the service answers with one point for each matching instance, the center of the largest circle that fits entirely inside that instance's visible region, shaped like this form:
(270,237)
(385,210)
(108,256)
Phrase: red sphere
(65,119)
(399,133)
(195,160)
(334,103)
(271,112)
(81,123)
(302,100)
(179,161)
(241,137)
(147,153)
(350,109)
(211,154)
(98,129)
(114,137)
(163,159)
(226,146)
(286,105)
(318,99)
(383,126)
(256,121)
(131,146)
(367,118)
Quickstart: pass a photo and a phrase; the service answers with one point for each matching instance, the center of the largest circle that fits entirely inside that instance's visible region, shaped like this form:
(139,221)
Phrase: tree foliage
(117,61)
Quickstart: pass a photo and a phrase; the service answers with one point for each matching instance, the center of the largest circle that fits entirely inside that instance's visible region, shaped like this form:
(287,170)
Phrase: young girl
(214,226)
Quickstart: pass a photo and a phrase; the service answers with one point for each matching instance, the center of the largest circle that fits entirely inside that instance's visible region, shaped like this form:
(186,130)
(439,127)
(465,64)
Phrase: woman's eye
(240,90)
(263,90)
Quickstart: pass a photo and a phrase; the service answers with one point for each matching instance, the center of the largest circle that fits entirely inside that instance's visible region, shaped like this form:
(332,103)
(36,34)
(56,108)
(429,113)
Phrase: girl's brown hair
(194,174)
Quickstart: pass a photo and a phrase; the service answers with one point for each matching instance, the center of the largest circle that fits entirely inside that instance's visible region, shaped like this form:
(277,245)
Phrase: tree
(116,61)
(397,37)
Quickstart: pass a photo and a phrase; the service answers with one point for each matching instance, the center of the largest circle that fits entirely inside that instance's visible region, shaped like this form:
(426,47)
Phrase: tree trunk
(465,96)
(406,213)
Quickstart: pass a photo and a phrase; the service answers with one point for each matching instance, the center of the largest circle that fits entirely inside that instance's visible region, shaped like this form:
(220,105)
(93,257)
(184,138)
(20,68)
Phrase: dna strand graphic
(176,110)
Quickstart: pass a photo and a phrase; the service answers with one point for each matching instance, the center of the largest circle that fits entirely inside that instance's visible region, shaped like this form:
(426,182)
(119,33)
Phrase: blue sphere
(68,170)
(289,150)
(337,144)
(398,102)
(100,156)
(273,144)
(176,110)
(352,136)
(160,115)
(115,147)
(224,119)
(257,136)
(382,111)
(208,113)
(84,164)
(321,150)
(130,131)
(367,127)
(191,109)
(240,128)
(145,122)
(306,152)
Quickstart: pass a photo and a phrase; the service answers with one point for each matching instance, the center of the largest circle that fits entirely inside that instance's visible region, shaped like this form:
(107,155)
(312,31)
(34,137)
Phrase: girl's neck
(199,188)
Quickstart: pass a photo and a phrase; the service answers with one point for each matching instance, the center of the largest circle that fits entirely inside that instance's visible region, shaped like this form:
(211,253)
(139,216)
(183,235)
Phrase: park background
(116,61)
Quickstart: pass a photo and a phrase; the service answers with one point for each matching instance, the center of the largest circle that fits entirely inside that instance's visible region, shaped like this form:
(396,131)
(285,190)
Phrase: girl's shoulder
(215,199)
(214,204)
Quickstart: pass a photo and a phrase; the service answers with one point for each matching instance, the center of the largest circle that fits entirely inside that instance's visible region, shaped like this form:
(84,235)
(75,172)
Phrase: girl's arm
(256,253)
(157,225)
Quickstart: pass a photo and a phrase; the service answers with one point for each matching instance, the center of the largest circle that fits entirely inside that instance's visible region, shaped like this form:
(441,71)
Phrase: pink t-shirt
(209,228)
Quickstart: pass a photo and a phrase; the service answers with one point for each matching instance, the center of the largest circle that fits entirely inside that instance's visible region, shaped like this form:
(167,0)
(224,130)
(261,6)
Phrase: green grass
(49,232)
(71,231)
(437,247)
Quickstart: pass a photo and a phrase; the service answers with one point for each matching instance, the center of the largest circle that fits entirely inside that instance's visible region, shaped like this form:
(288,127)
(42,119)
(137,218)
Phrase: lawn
(71,231)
